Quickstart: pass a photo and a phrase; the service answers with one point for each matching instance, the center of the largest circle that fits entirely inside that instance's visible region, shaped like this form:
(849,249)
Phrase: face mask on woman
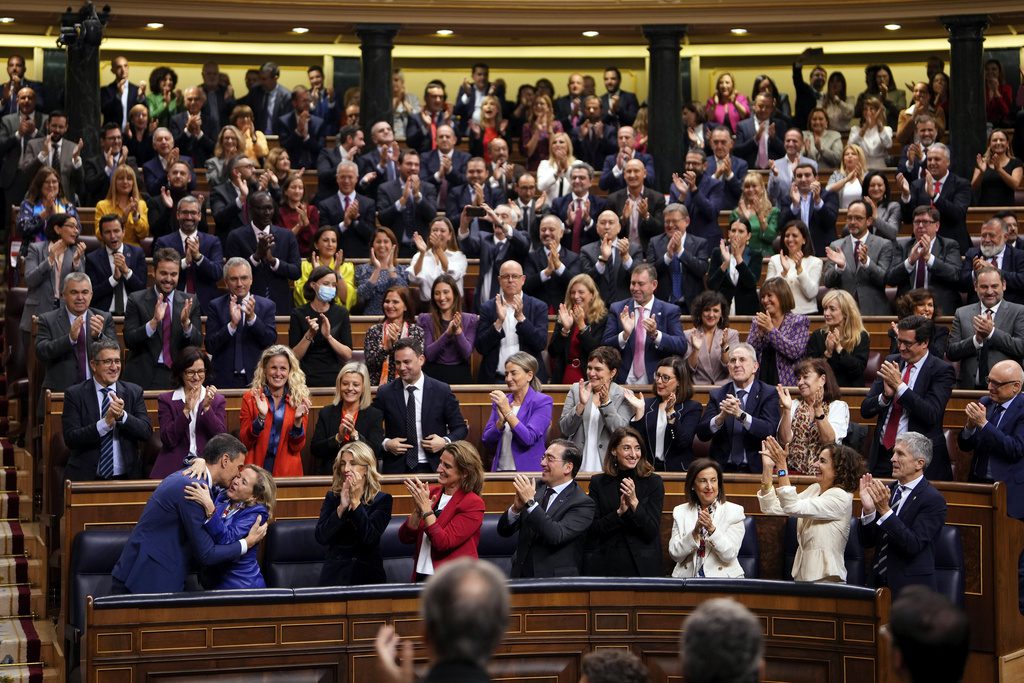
(326,293)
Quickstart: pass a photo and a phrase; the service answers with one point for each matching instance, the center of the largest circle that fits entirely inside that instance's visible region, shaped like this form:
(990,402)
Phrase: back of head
(931,636)
(722,643)
(613,666)
(465,607)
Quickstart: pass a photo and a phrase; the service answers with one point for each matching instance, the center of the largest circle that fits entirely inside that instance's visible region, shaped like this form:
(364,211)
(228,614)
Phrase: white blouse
(179,395)
(804,286)
(457,264)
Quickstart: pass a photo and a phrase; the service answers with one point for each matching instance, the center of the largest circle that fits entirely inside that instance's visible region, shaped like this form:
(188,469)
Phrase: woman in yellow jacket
(326,253)
(123,199)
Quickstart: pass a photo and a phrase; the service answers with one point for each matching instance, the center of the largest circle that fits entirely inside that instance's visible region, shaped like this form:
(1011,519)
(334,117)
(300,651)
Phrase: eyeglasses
(924,221)
(195,373)
(904,344)
(997,384)
(509,277)
(663,378)
(107,362)
(551,460)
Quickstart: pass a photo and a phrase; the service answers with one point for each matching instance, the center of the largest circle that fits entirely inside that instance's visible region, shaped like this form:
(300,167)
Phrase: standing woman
(997,173)
(382,273)
(906,128)
(798,266)
(707,531)
(538,129)
(735,269)
(353,517)
(823,509)
(320,332)
(778,333)
(123,199)
(298,215)
(817,418)
(326,254)
(227,148)
(553,172)
(710,339)
(380,339)
(873,135)
(727,107)
(277,166)
(821,143)
(848,181)
(842,342)
(448,334)
(190,415)
(274,413)
(668,420)
(138,134)
(491,126)
(403,103)
(886,216)
(445,520)
(440,257)
(163,99)
(579,327)
(520,419)
(940,92)
(254,142)
(625,537)
(998,95)
(840,112)
(348,419)
(757,209)
(44,199)
(594,409)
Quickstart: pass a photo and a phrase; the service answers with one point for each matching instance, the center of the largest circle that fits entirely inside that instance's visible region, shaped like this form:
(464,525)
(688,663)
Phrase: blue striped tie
(105,469)
(881,565)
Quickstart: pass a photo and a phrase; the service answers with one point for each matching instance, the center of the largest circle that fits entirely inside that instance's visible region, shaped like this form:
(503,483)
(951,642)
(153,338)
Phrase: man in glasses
(927,260)
(512,321)
(987,331)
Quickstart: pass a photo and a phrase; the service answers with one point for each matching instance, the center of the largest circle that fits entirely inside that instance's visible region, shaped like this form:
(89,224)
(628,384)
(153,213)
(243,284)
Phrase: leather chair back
(949,564)
(292,557)
(750,550)
(854,553)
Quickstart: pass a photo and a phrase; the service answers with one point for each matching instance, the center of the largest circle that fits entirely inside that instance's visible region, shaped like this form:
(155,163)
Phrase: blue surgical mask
(326,293)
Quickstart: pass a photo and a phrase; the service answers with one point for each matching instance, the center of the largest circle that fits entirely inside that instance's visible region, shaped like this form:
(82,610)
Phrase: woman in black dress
(349,418)
(320,332)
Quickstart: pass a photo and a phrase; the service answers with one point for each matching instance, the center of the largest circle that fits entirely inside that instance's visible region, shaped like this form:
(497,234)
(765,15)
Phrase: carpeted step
(22,601)
(25,674)
(11,507)
(12,539)
(20,642)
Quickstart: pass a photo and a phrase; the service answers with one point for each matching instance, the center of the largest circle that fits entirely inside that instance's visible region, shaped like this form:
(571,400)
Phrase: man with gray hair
(939,187)
(902,521)
(354,215)
(680,258)
(722,643)
(239,326)
(997,251)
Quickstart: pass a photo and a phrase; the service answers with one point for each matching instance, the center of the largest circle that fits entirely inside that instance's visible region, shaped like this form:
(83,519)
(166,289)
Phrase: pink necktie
(577,227)
(639,343)
(762,150)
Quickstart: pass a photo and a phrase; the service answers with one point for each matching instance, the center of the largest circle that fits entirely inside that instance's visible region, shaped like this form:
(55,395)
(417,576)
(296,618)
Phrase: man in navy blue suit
(579,209)
(492,248)
(995,252)
(702,194)
(193,136)
(730,169)
(407,205)
(444,167)
(740,414)
(512,321)
(116,269)
(647,321)
(593,139)
(551,266)
(272,251)
(903,520)
(421,130)
(155,170)
(815,206)
(351,213)
(759,138)
(680,258)
(380,164)
(202,258)
(301,132)
(612,175)
(421,414)
(238,327)
(475,191)
(620,107)
(169,537)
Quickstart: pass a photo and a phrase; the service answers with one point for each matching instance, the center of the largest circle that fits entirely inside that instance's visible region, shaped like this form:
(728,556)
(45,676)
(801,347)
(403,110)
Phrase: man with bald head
(444,167)
(16,130)
(551,266)
(637,206)
(613,175)
(16,81)
(194,135)
(610,259)
(155,170)
(569,107)
(501,173)
(510,322)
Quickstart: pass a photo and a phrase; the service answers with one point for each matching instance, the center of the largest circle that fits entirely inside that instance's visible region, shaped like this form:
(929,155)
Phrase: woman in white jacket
(707,532)
(823,509)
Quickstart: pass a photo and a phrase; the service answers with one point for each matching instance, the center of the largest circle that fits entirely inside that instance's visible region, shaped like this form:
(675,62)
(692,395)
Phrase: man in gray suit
(986,332)
(16,130)
(62,155)
(859,263)
(610,259)
(928,260)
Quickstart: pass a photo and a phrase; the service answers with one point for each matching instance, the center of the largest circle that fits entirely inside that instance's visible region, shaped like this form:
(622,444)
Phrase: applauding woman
(625,537)
(349,418)
(818,418)
(578,329)
(320,332)
(595,408)
(821,143)
(539,128)
(727,107)
(44,199)
(710,339)
(380,339)
(761,215)
(872,135)
(707,531)
(440,257)
(842,342)
(448,333)
(798,266)
(520,419)
(274,413)
(46,265)
(353,517)
(382,273)
(847,182)
(553,172)
(123,200)
(190,415)
(778,333)
(326,253)
(668,420)
(735,269)
(997,173)
(445,520)
(296,214)
(823,509)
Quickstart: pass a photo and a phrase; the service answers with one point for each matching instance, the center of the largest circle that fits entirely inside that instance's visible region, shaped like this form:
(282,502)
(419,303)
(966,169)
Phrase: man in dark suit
(202,256)
(613,173)
(903,521)
(985,332)
(579,209)
(501,173)
(117,98)
(193,135)
(940,188)
(910,394)
(530,206)
(16,131)
(610,259)
(421,414)
(64,156)
(445,167)
(323,103)
(620,106)
(912,158)
(816,207)
(351,213)
(228,199)
(162,207)
(552,519)
(100,168)
(475,191)
(680,259)
(350,144)
(509,322)
(740,414)
(730,169)
(407,205)
(471,95)
(155,170)
(171,528)
(421,128)
(381,163)
(551,266)
(116,269)
(759,138)
(272,251)
(928,260)
(860,262)
(301,131)
(994,252)
(272,100)
(16,81)
(104,420)
(702,194)
(239,326)
(593,139)
(492,248)
(638,207)
(218,100)
(643,321)
(569,107)
(159,322)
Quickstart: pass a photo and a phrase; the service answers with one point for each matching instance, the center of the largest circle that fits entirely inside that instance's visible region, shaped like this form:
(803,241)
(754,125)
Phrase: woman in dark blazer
(625,538)
(353,517)
(349,418)
(519,420)
(741,294)
(667,421)
(579,327)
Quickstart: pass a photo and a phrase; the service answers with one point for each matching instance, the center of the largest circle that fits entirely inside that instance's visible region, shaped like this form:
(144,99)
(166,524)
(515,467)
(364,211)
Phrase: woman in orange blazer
(274,413)
(445,521)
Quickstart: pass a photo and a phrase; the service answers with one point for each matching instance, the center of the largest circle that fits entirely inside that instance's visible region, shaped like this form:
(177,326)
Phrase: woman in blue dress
(252,495)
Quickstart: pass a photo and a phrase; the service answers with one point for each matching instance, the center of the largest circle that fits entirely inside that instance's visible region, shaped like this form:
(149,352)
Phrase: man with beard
(912,159)
(702,194)
(593,139)
(808,96)
(63,156)
(201,253)
(161,206)
(994,251)
(620,107)
(985,332)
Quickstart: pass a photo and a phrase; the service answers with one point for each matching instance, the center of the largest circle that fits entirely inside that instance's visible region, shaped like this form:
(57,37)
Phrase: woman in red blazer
(274,413)
(445,521)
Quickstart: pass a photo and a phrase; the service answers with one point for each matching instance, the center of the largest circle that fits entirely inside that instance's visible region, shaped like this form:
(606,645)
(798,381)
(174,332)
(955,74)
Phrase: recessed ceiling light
(300,29)
(591,34)
(892,27)
(154,25)
(738,31)
(445,32)
(6,20)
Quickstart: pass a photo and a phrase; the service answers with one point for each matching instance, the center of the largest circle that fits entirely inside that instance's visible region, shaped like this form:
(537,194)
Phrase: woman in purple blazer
(448,334)
(519,420)
(190,415)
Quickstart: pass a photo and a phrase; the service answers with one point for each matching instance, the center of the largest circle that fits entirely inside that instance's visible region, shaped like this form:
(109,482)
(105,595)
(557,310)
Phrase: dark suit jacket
(650,226)
(227,215)
(55,349)
(625,111)
(999,450)
(439,414)
(911,537)
(353,541)
(324,447)
(97,182)
(679,434)
(609,183)
(143,350)
(559,351)
(551,292)
(207,273)
(673,343)
(110,103)
(1012,270)
(563,110)
(357,237)
(482,245)
(302,153)
(630,544)
(97,266)
(82,412)
(822,225)
(72,180)
(282,99)
(693,265)
(156,176)
(460,196)
(417,133)
(275,285)
(430,162)
(762,404)
(952,202)
(613,283)
(912,171)
(943,274)
(704,205)
(551,541)
(11,154)
(925,405)
(415,217)
(532,333)
(326,172)
(733,185)
(593,148)
(198,148)
(865,283)
(745,289)
(222,346)
(560,206)
(746,141)
(1005,343)
(167,540)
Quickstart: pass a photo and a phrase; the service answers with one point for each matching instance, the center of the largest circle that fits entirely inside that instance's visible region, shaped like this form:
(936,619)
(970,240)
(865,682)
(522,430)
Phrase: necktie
(895,413)
(81,352)
(119,298)
(738,455)
(54,155)
(577,226)
(105,467)
(676,270)
(545,498)
(881,565)
(634,221)
(762,148)
(980,382)
(856,258)
(347,202)
(411,455)
(639,344)
(938,190)
(166,333)
(921,270)
(433,132)
(442,193)
(995,262)
(239,361)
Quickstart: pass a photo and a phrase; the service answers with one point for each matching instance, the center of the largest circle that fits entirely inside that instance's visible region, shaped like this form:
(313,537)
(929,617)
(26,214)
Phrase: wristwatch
(782,473)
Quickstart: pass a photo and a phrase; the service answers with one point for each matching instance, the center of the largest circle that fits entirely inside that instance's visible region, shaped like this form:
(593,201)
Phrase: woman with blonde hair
(760,213)
(872,135)
(847,180)
(274,413)
(491,126)
(553,172)
(537,131)
(519,419)
(349,418)
(353,517)
(579,327)
(821,143)
(727,107)
(254,142)
(123,199)
(842,342)
(229,145)
(278,164)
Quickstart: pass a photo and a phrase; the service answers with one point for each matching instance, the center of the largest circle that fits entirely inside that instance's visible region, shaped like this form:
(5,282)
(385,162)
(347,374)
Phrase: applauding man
(512,321)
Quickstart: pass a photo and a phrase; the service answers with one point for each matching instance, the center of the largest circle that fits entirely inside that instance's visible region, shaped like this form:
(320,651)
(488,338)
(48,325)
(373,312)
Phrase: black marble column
(966,120)
(82,33)
(664,104)
(375,42)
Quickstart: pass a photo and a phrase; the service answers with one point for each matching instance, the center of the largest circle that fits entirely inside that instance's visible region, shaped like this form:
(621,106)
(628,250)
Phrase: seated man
(730,169)
(159,322)
(579,209)
(444,166)
(680,259)
(638,207)
(552,519)
(301,131)
(740,414)
(155,170)
(239,326)
(117,268)
(551,266)
(702,194)
(927,260)
(816,207)
(193,135)
(349,147)
(994,252)
(593,140)
(985,332)
(613,173)
(506,243)
(104,420)
(351,213)
(171,528)
(407,205)
(272,251)
(416,446)
(476,191)
(610,260)
(940,188)
(860,262)
(202,257)
(512,321)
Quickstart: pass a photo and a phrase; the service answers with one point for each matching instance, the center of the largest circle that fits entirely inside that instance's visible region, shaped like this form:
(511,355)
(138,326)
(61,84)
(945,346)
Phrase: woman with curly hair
(164,99)
(274,413)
